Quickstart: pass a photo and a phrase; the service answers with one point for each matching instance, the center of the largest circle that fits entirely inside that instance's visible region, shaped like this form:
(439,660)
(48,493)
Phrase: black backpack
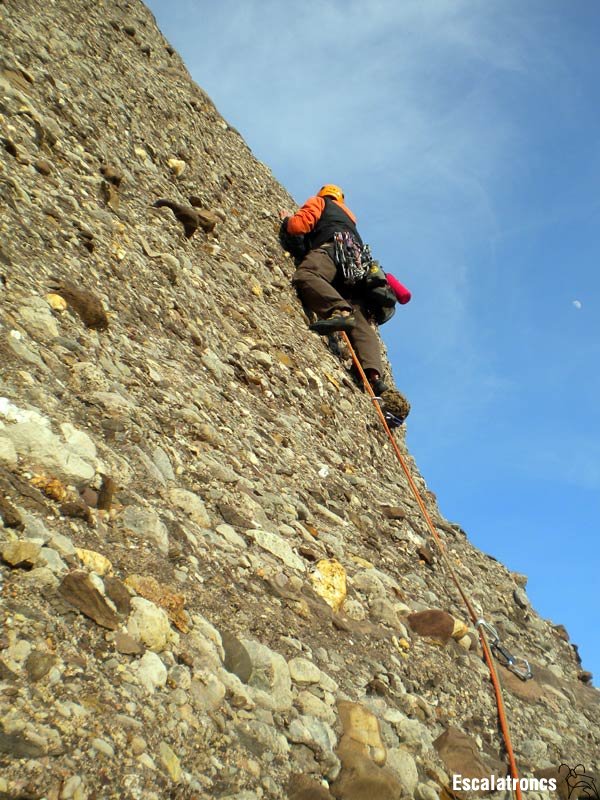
(377,295)
(295,244)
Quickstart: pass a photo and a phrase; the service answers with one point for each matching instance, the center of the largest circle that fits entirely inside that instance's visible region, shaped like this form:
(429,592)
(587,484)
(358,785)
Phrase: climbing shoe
(379,387)
(338,320)
(394,404)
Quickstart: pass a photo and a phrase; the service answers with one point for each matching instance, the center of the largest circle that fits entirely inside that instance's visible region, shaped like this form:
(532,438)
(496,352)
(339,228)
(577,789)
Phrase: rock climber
(329,283)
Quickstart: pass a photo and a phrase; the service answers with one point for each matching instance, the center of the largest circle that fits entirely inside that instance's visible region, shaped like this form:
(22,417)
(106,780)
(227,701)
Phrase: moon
(578,304)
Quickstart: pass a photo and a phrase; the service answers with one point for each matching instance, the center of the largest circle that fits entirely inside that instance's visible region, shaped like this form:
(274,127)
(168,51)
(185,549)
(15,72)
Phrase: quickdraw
(352,259)
(516,664)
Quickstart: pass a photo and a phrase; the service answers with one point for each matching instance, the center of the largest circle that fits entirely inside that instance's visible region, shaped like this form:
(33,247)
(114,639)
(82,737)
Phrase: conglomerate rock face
(215,580)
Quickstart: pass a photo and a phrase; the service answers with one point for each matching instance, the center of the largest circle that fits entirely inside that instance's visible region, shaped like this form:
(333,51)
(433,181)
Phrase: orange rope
(474,617)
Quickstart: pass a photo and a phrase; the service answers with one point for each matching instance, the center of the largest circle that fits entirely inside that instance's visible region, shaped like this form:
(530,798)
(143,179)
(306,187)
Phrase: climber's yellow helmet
(330,190)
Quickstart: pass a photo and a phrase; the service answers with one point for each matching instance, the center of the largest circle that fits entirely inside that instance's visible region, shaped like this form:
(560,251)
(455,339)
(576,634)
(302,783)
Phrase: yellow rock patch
(329,582)
(93,561)
(159,594)
(56,302)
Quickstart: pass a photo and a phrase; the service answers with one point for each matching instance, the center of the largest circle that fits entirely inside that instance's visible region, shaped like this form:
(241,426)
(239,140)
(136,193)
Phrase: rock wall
(215,581)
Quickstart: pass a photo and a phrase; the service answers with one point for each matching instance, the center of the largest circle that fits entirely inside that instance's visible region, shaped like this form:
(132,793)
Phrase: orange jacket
(306,218)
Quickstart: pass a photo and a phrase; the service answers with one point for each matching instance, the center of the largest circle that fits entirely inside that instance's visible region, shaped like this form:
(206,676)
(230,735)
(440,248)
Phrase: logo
(579,783)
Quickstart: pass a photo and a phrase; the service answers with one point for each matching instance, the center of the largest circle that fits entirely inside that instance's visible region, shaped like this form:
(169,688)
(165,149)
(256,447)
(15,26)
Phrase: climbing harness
(516,664)
(361,272)
(350,257)
(487,648)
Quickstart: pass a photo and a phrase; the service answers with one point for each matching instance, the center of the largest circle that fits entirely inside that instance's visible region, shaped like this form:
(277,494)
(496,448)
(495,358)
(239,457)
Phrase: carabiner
(516,664)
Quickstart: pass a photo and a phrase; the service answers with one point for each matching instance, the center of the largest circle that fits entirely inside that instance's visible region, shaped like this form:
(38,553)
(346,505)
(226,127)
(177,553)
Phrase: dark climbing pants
(320,290)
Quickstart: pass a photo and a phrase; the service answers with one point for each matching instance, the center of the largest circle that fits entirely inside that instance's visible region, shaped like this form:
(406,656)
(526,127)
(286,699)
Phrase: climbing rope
(477,622)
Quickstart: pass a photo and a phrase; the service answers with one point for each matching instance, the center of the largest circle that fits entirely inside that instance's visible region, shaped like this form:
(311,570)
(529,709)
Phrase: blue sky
(466,136)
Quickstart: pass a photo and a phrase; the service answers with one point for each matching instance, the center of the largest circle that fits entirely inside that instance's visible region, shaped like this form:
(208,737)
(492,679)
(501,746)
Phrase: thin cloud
(572,459)
(417,109)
